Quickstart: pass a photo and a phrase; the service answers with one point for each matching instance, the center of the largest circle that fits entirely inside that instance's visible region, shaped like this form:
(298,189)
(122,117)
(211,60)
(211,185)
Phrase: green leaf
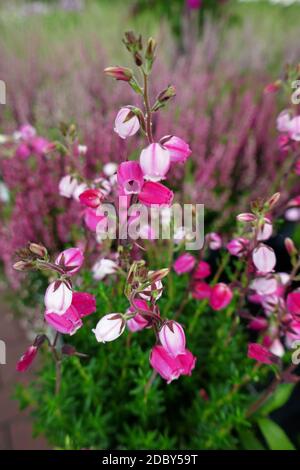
(249,440)
(278,399)
(274,435)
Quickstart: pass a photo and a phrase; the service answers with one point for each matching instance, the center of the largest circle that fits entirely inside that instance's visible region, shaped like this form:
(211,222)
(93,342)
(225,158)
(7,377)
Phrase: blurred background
(219,54)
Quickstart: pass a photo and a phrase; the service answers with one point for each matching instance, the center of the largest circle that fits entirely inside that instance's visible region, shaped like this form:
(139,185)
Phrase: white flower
(110,327)
(104,267)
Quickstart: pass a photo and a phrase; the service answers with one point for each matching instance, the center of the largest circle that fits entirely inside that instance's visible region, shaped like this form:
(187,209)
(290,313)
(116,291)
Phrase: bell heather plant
(199,306)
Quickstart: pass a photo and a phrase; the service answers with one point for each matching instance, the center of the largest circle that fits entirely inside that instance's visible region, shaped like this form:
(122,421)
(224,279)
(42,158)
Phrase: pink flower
(40,145)
(264,285)
(172,338)
(58,297)
(261,354)
(67,323)
(27,132)
(23,150)
(130,177)
(237,246)
(67,186)
(184,264)
(109,328)
(293,333)
(284,143)
(283,121)
(128,128)
(71,260)
(272,87)
(91,198)
(221,296)
(202,271)
(167,366)
(214,241)
(201,290)
(265,231)
(138,322)
(155,193)
(155,162)
(187,362)
(194,4)
(258,324)
(179,150)
(26,360)
(92,219)
(83,304)
(294,128)
(293,303)
(264,258)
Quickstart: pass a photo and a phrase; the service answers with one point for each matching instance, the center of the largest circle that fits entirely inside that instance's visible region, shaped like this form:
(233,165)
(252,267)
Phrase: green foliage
(112,399)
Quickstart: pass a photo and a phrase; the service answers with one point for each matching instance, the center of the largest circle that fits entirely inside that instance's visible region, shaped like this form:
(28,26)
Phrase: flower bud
(164,97)
(201,290)
(150,50)
(155,162)
(138,322)
(261,354)
(214,241)
(38,250)
(126,127)
(91,198)
(273,200)
(23,265)
(178,148)
(109,328)
(184,264)
(264,258)
(172,338)
(237,246)
(290,246)
(155,276)
(221,296)
(202,271)
(26,360)
(246,217)
(70,260)
(58,297)
(119,73)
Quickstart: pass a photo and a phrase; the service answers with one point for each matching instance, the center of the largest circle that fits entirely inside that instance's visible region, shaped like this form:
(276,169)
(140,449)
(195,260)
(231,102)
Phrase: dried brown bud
(138,59)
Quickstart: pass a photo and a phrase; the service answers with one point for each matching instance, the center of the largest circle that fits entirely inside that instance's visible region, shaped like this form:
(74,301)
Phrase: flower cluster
(64,307)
